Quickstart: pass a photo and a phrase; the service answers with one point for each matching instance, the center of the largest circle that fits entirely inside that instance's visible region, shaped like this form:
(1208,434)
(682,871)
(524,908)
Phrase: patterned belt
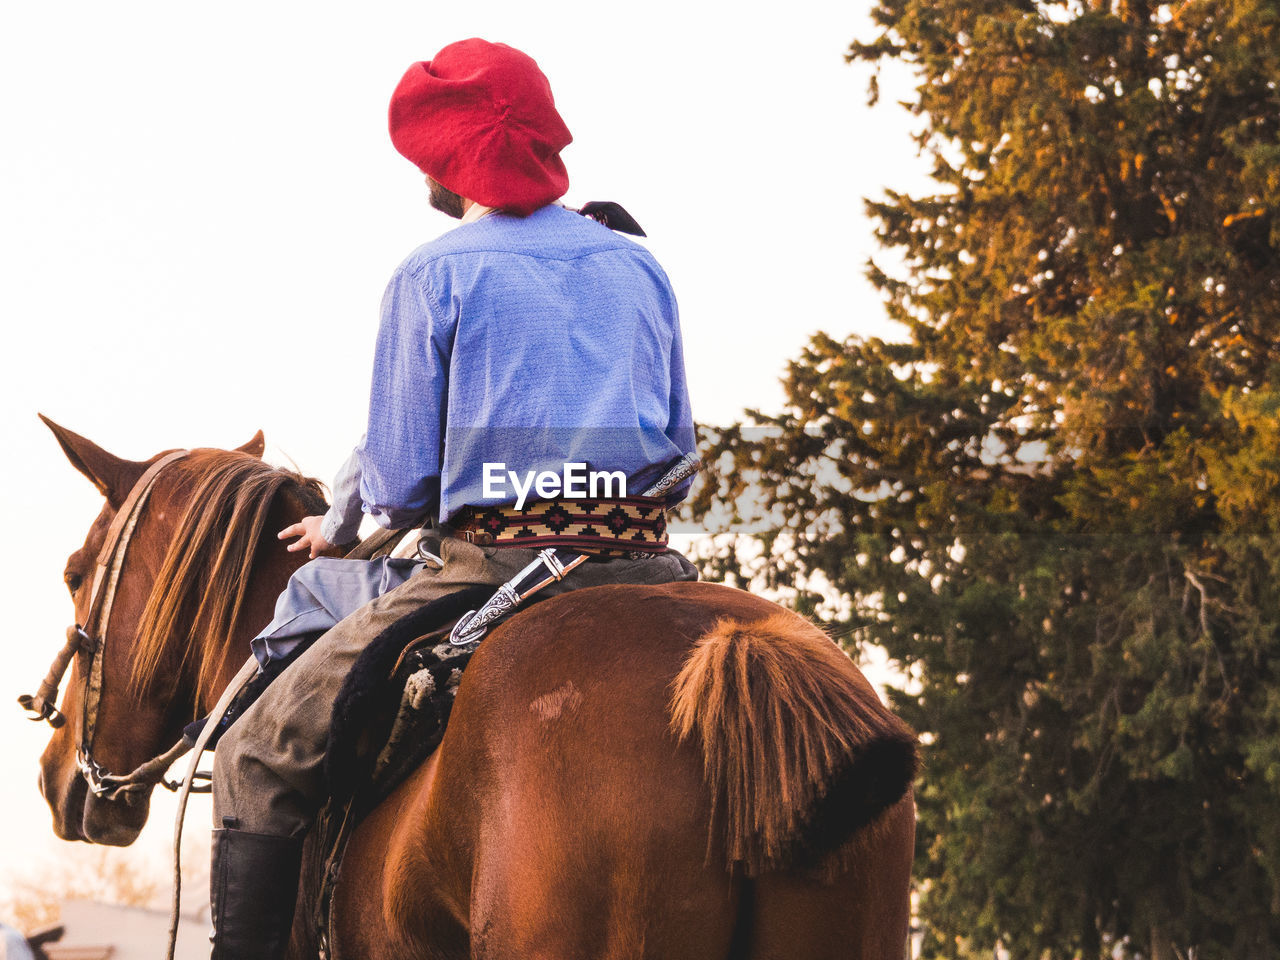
(606,527)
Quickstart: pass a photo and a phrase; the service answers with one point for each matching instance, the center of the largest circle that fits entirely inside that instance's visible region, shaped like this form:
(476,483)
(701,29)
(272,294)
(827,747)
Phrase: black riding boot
(252,889)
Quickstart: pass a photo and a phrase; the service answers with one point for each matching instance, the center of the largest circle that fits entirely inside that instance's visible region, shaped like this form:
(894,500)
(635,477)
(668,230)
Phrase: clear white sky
(200,208)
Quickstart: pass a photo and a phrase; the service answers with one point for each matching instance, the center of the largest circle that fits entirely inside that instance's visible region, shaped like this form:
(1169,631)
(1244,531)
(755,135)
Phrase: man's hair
(445,200)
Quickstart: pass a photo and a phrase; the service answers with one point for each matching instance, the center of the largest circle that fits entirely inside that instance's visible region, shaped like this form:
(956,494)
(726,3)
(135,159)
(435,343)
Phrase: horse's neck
(269,575)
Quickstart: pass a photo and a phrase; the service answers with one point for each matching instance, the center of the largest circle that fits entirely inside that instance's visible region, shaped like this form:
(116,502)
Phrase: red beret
(480,119)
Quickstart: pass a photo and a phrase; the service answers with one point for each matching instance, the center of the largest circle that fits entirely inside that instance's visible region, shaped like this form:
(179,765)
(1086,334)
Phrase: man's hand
(307,530)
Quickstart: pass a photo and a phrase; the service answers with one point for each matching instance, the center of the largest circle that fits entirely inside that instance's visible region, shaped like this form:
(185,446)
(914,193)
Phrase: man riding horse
(529,337)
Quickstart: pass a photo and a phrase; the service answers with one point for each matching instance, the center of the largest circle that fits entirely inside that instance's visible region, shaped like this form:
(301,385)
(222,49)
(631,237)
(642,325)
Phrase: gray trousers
(267,771)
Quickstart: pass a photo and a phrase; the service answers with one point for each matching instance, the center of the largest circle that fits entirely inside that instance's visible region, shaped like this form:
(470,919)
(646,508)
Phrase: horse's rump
(794,750)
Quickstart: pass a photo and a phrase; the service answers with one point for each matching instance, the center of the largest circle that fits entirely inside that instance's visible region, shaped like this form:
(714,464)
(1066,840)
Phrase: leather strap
(44,702)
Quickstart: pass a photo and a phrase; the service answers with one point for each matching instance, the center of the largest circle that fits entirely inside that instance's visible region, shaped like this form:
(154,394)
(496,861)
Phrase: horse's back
(562,816)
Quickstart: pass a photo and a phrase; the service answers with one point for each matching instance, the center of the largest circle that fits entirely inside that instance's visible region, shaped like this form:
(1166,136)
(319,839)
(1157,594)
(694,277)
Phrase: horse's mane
(204,579)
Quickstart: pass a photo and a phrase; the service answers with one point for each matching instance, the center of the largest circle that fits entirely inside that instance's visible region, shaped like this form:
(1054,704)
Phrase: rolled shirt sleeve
(341,523)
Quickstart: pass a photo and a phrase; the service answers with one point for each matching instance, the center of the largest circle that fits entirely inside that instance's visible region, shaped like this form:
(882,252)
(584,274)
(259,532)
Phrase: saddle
(396,700)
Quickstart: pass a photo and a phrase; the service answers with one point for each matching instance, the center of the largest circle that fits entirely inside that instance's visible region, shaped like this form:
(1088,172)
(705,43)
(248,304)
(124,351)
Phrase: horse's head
(168,560)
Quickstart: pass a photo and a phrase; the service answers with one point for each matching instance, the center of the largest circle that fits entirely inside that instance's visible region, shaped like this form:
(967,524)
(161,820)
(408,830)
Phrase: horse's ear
(255,446)
(113,476)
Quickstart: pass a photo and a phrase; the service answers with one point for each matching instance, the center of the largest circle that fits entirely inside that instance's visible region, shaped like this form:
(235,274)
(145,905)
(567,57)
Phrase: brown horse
(683,771)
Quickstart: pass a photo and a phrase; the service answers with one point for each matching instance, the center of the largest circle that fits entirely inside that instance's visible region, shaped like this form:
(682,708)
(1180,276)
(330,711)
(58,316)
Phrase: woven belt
(608,527)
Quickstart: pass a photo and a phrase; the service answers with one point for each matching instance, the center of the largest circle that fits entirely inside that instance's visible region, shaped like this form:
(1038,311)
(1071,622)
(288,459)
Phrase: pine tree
(1055,505)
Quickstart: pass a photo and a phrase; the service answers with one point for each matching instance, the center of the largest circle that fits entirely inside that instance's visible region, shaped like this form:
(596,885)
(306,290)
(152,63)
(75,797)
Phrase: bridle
(91,640)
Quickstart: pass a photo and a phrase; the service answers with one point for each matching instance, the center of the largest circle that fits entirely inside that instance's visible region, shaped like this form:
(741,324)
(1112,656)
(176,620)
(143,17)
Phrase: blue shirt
(531,342)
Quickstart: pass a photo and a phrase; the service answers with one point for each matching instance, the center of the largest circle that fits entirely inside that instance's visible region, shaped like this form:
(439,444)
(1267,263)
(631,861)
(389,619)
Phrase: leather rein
(91,640)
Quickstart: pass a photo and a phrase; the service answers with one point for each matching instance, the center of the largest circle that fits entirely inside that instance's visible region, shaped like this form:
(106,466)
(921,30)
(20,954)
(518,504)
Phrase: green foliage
(1056,505)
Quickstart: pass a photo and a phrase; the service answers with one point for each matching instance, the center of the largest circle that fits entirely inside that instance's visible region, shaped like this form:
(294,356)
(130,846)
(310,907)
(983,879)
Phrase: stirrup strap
(245,674)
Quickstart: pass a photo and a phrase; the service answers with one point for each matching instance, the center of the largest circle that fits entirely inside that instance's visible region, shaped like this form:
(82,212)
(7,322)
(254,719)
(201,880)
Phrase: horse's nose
(113,824)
